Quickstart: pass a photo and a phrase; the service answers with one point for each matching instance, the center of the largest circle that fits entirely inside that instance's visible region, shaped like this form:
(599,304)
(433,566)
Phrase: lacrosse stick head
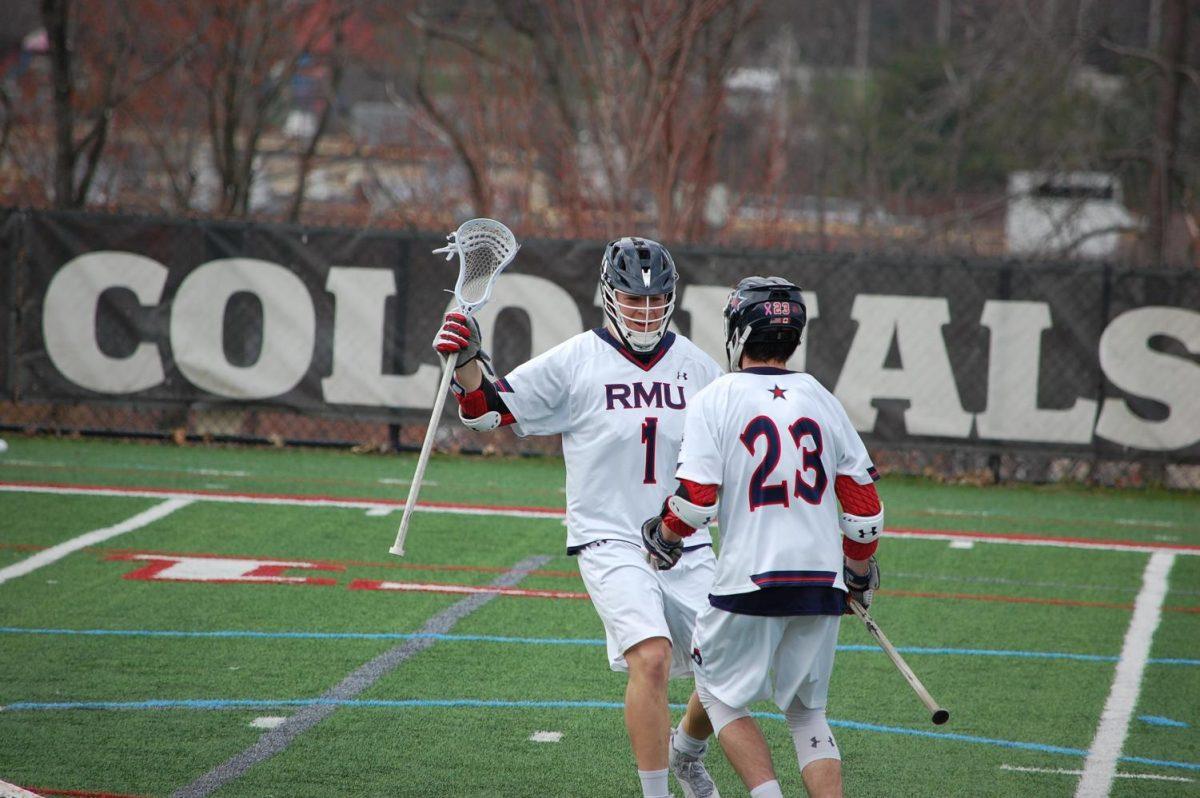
(484,248)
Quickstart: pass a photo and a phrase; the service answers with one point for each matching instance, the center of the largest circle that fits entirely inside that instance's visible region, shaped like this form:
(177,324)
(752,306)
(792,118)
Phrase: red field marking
(408,566)
(23,546)
(152,570)
(550,513)
(223,569)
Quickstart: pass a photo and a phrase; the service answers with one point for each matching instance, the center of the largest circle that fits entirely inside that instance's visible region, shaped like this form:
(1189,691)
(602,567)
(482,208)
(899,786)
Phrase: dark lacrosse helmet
(762,309)
(643,268)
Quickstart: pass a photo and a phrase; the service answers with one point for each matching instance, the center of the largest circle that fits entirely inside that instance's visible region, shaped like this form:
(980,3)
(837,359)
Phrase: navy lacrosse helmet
(641,268)
(762,310)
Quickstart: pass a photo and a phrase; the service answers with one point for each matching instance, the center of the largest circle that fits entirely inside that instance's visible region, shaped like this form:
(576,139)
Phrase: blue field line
(474,703)
(546,641)
(1158,720)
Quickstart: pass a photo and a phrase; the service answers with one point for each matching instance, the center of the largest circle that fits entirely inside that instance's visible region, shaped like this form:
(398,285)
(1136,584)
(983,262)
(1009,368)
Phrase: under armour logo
(681,375)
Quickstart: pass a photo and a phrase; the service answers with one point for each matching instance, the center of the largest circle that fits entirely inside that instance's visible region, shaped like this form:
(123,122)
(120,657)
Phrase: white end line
(1101,765)
(55,553)
(1066,772)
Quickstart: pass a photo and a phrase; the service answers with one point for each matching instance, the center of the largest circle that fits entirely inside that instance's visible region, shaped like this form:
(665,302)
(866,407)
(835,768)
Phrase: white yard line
(13,791)
(204,472)
(55,553)
(1135,522)
(1066,772)
(1101,765)
(280,501)
(553,514)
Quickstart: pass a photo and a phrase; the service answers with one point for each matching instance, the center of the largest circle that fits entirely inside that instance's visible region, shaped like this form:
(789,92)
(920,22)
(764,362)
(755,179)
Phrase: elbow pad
(694,515)
(862,528)
(484,423)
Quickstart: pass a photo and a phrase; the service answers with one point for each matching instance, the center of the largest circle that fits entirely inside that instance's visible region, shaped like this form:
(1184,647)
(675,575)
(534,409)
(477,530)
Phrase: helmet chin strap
(625,339)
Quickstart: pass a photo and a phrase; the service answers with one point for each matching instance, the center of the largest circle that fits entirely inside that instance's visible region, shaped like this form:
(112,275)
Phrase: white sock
(654,783)
(686,743)
(768,789)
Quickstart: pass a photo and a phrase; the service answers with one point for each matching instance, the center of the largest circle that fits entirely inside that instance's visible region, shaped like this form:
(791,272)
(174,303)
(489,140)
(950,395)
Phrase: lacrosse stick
(940,715)
(484,248)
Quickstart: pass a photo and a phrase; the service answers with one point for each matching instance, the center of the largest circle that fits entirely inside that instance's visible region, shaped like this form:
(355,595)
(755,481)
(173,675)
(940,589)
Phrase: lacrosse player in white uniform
(617,395)
(779,452)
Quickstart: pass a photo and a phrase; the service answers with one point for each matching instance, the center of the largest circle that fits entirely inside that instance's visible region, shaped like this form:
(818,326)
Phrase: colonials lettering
(639,395)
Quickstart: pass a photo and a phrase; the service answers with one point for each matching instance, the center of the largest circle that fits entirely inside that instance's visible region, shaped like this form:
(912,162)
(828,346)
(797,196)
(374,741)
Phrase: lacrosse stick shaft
(430,433)
(940,715)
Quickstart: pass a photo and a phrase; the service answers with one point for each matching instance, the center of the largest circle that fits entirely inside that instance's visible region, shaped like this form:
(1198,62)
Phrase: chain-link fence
(977,370)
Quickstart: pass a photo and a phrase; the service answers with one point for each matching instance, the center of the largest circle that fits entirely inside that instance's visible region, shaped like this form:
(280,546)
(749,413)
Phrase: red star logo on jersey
(777,392)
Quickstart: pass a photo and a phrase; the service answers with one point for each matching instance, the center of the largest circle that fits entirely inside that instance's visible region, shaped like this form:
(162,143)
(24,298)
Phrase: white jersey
(774,440)
(621,423)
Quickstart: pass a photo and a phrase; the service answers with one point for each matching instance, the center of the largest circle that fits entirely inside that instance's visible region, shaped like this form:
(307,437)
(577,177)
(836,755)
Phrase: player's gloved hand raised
(459,337)
(862,588)
(660,552)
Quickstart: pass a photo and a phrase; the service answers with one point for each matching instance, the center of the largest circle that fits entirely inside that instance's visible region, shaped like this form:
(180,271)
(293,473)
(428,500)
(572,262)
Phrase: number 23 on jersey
(810,479)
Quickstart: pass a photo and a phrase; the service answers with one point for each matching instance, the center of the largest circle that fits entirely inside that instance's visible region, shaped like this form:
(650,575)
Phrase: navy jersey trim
(782,601)
(644,361)
(794,578)
(872,473)
(766,370)
(502,386)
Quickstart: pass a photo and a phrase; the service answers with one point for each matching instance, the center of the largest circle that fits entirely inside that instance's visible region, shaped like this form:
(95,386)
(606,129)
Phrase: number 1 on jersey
(649,434)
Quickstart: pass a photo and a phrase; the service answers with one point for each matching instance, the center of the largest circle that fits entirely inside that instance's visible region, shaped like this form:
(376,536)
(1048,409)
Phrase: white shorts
(748,658)
(637,602)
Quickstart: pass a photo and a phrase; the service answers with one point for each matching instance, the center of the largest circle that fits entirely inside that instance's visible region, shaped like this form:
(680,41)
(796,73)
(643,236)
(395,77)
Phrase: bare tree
(330,87)
(1166,122)
(113,70)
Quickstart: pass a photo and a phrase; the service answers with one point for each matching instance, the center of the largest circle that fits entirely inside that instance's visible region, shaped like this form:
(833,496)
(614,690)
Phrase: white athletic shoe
(693,776)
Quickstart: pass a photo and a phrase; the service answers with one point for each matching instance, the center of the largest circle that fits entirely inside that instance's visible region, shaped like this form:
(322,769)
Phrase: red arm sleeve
(484,399)
(694,492)
(862,500)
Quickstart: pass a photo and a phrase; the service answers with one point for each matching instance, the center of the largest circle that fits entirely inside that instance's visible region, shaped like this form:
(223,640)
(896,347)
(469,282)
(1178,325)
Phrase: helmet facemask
(734,344)
(629,314)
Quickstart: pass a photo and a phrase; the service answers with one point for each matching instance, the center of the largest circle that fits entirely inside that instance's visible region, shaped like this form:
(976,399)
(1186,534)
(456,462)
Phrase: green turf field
(236,586)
